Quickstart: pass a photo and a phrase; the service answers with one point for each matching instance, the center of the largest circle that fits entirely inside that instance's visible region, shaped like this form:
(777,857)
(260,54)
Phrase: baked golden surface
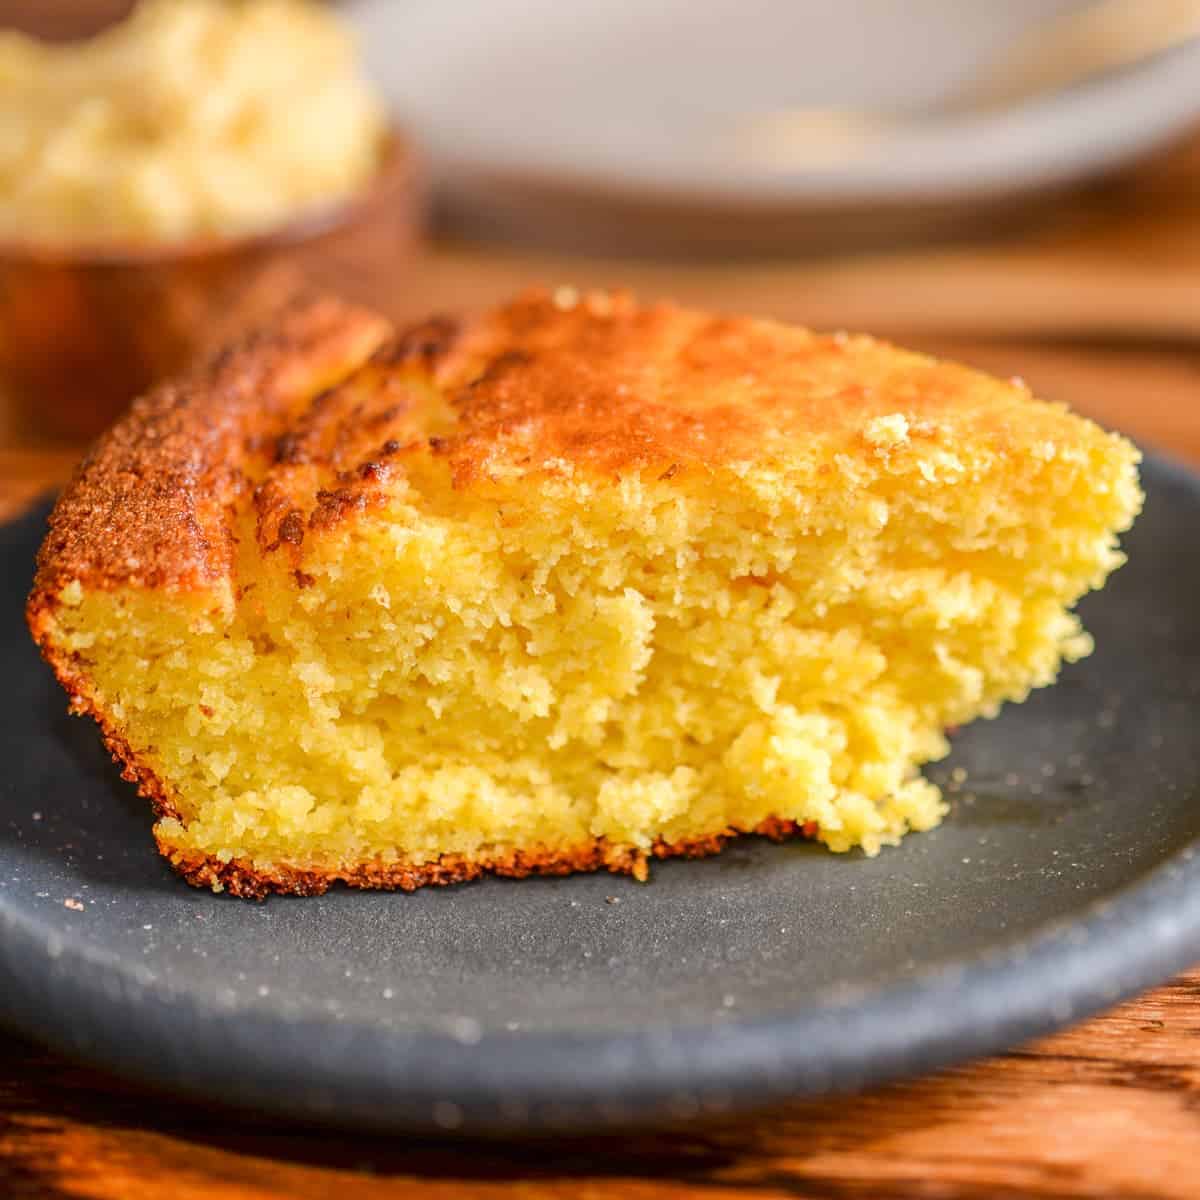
(569,586)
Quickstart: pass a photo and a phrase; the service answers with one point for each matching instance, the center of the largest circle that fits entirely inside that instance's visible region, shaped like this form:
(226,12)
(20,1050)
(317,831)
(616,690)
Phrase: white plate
(629,119)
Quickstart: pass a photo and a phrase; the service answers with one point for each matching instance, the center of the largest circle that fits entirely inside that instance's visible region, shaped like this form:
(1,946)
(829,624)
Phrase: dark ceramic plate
(1063,880)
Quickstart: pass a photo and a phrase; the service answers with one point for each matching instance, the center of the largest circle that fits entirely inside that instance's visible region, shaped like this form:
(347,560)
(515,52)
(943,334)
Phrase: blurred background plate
(772,125)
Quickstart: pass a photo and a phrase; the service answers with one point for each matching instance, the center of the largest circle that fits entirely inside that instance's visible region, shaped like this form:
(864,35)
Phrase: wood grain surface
(1100,309)
(1110,1109)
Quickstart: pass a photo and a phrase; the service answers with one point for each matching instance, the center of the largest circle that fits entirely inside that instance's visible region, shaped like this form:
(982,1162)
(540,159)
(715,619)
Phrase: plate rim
(90,1004)
(1044,143)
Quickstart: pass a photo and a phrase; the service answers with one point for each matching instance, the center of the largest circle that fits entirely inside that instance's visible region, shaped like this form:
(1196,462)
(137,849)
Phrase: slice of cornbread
(575,584)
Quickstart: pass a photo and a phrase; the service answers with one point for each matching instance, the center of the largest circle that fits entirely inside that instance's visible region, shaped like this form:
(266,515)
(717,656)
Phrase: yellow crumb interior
(546,662)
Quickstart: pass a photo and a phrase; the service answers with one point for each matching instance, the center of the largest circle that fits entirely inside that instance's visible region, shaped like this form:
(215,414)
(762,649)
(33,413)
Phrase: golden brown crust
(247,881)
(322,417)
(601,382)
(149,505)
(552,382)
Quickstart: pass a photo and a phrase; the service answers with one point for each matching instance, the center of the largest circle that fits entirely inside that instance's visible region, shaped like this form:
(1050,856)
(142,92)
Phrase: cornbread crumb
(887,431)
(576,586)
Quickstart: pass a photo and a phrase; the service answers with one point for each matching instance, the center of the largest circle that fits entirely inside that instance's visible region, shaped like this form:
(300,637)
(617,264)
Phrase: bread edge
(242,878)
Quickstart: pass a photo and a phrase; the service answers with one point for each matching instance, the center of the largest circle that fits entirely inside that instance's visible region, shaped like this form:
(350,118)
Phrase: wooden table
(1100,308)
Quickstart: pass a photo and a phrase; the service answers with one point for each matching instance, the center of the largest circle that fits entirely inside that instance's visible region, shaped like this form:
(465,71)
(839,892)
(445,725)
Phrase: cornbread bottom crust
(243,879)
(249,882)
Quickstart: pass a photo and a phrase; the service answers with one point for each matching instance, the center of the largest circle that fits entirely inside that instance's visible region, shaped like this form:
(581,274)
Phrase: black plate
(1063,880)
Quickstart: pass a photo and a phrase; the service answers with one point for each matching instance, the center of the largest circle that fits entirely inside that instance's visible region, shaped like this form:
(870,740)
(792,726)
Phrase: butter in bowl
(176,176)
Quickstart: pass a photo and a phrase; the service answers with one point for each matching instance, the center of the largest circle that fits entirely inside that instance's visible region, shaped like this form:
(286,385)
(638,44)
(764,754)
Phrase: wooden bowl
(85,329)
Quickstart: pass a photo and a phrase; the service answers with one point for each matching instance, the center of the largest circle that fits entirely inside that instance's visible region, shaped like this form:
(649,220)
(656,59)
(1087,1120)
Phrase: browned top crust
(149,503)
(312,419)
(602,382)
